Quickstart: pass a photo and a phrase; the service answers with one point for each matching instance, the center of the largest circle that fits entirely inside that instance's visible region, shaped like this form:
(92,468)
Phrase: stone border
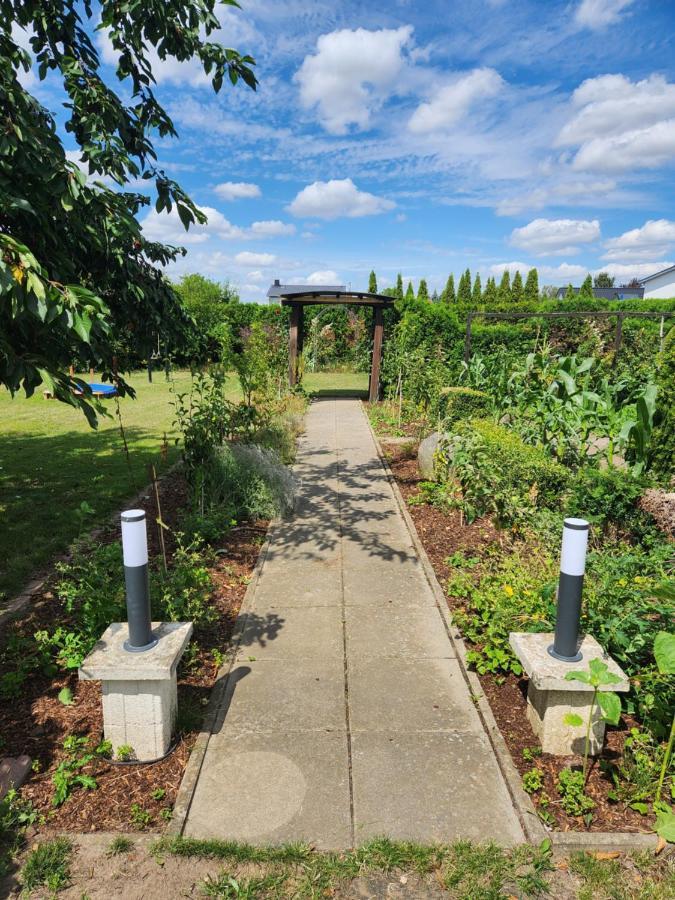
(19,602)
(535,832)
(188,784)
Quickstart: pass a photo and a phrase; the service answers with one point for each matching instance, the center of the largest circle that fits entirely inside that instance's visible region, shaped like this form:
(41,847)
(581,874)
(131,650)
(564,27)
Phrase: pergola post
(378,332)
(294,343)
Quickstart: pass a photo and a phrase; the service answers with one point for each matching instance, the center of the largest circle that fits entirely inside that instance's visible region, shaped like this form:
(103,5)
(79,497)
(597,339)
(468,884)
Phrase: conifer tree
(531,292)
(464,289)
(504,290)
(434,297)
(517,288)
(448,295)
(410,293)
(372,282)
(587,288)
(569,293)
(477,295)
(399,287)
(490,293)
(423,290)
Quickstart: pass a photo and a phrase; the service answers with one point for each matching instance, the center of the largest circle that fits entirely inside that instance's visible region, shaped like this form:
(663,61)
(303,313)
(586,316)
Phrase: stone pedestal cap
(548,674)
(109,661)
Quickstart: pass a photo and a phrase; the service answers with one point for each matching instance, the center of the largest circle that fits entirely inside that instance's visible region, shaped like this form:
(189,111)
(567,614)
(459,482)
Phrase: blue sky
(428,137)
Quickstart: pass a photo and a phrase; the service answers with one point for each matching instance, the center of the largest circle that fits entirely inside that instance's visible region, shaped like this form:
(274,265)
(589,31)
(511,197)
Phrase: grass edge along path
(461,870)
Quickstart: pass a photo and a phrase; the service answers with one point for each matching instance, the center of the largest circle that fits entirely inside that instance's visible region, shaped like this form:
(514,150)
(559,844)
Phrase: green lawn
(51,461)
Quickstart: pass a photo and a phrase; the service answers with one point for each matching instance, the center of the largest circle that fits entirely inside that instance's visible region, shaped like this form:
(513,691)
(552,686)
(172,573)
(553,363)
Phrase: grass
(51,462)
(463,870)
(119,845)
(48,865)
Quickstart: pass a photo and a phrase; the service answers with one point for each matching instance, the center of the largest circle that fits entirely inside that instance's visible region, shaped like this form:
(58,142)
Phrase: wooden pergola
(298,302)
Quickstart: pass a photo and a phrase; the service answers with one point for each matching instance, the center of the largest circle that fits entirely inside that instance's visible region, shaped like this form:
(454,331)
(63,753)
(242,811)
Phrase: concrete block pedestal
(550,697)
(139,689)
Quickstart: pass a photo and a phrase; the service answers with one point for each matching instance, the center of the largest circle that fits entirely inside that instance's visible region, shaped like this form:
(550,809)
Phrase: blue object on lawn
(103,390)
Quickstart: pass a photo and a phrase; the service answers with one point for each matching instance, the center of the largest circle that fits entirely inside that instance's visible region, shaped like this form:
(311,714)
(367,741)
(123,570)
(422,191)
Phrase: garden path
(346,715)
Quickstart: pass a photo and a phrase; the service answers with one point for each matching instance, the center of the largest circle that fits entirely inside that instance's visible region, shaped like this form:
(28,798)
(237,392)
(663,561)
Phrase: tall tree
(477,294)
(586,290)
(603,280)
(490,293)
(517,288)
(423,290)
(448,295)
(399,286)
(372,282)
(570,293)
(410,292)
(434,297)
(464,288)
(531,292)
(504,289)
(76,270)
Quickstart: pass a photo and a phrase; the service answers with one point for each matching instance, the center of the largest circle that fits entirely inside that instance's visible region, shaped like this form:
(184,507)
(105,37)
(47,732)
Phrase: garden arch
(298,302)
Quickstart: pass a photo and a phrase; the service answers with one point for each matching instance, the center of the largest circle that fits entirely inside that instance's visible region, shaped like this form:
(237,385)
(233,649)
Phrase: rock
(13,772)
(425,455)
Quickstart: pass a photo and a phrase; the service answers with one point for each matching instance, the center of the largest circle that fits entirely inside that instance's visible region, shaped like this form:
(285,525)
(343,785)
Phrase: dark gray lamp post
(135,552)
(570,590)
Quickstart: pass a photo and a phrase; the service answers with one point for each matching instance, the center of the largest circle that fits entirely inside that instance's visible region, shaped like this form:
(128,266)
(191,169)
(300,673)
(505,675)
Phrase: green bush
(663,436)
(458,403)
(499,474)
(607,497)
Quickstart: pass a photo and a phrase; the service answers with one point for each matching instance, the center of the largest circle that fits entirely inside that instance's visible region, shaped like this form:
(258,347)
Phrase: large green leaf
(664,652)
(610,705)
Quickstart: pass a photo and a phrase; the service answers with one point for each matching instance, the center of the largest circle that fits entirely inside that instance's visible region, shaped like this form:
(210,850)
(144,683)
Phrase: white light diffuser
(134,538)
(574,543)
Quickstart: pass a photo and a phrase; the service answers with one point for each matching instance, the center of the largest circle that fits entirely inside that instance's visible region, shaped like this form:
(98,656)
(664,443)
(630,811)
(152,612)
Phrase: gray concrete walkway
(346,715)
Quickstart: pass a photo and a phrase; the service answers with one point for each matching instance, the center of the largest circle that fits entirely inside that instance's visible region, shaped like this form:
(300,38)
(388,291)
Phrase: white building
(660,284)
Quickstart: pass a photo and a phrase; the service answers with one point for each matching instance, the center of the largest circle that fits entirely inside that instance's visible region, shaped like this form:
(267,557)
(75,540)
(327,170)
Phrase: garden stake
(570,590)
(160,521)
(135,552)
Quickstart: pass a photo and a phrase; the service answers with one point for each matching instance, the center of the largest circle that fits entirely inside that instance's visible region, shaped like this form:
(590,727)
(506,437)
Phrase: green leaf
(66,696)
(574,720)
(578,676)
(665,825)
(664,652)
(642,808)
(610,705)
(600,673)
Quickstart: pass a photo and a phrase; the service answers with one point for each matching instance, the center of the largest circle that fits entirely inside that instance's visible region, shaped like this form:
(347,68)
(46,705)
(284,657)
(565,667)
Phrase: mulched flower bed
(442,534)
(37,723)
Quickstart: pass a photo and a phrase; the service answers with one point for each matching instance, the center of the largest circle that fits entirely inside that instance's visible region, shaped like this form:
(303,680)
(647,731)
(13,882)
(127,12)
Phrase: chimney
(276,282)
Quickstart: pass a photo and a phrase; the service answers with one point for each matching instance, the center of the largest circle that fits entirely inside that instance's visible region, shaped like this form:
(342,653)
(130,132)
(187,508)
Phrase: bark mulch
(443,533)
(37,723)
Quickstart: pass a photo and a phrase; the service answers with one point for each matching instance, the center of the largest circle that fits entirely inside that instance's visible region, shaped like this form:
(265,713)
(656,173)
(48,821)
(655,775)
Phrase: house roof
(613,293)
(277,290)
(656,274)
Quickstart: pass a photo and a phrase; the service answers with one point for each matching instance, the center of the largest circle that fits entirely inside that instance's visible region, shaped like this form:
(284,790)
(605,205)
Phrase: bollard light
(135,552)
(570,589)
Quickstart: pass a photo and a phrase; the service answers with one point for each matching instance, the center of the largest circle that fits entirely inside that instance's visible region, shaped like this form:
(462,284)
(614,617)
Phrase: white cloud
(168,228)
(454,100)
(257,276)
(246,258)
(598,14)
(336,198)
(557,237)
(619,124)
(565,272)
(325,277)
(237,190)
(565,193)
(351,74)
(624,273)
(512,267)
(271,228)
(655,238)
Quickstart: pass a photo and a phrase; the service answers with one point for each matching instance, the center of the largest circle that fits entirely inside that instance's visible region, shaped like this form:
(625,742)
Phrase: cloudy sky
(425,137)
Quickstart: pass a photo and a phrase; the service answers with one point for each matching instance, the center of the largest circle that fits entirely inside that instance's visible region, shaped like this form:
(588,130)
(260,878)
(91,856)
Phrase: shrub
(499,474)
(663,436)
(607,497)
(457,403)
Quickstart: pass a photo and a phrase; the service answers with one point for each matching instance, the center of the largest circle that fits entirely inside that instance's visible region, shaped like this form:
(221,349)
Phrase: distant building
(660,284)
(277,290)
(623,292)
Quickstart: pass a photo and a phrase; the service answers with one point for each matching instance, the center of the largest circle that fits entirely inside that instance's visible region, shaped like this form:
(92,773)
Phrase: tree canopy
(76,270)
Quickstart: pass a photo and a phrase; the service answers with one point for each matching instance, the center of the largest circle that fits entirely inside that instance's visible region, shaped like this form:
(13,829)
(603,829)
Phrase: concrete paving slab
(299,633)
(408,632)
(275,789)
(407,695)
(429,787)
(284,695)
